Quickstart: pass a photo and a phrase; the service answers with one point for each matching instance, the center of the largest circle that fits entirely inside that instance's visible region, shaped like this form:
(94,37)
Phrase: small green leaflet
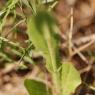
(35,87)
(70,78)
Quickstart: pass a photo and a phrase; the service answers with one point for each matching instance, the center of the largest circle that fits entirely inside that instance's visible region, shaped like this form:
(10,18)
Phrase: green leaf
(43,33)
(70,78)
(37,88)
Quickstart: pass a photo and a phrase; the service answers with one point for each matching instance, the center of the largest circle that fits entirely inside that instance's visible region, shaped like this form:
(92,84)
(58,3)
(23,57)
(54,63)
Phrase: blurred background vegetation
(17,52)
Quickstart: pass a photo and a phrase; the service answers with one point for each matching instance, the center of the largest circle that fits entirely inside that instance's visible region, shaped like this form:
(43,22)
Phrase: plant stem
(70,33)
(53,62)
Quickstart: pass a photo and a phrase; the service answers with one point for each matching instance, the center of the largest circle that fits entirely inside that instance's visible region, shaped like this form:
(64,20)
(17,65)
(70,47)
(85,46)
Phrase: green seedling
(43,32)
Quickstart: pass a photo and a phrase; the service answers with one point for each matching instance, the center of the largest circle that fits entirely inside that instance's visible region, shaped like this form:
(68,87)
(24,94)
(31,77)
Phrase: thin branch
(11,43)
(80,55)
(83,47)
(83,40)
(70,33)
(14,27)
